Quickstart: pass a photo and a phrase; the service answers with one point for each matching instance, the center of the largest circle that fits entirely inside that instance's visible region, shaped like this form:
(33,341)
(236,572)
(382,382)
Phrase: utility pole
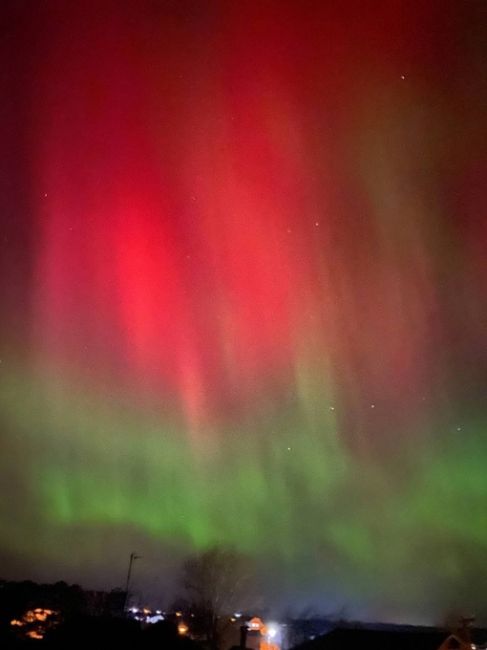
(133,557)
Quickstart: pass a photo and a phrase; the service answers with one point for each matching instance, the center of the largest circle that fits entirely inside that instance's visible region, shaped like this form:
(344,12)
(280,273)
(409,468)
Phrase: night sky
(243,296)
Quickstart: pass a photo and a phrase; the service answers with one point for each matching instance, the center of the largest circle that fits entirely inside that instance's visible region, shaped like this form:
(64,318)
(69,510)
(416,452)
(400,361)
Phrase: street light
(133,557)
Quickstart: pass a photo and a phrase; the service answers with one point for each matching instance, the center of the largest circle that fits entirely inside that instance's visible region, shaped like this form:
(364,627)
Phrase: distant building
(262,636)
(391,637)
(455,643)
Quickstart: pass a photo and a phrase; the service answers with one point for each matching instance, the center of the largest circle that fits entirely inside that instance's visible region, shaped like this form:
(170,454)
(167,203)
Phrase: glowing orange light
(256,624)
(183,628)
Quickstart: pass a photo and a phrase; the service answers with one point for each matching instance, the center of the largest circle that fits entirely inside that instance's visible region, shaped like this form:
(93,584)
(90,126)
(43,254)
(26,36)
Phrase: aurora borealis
(243,275)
